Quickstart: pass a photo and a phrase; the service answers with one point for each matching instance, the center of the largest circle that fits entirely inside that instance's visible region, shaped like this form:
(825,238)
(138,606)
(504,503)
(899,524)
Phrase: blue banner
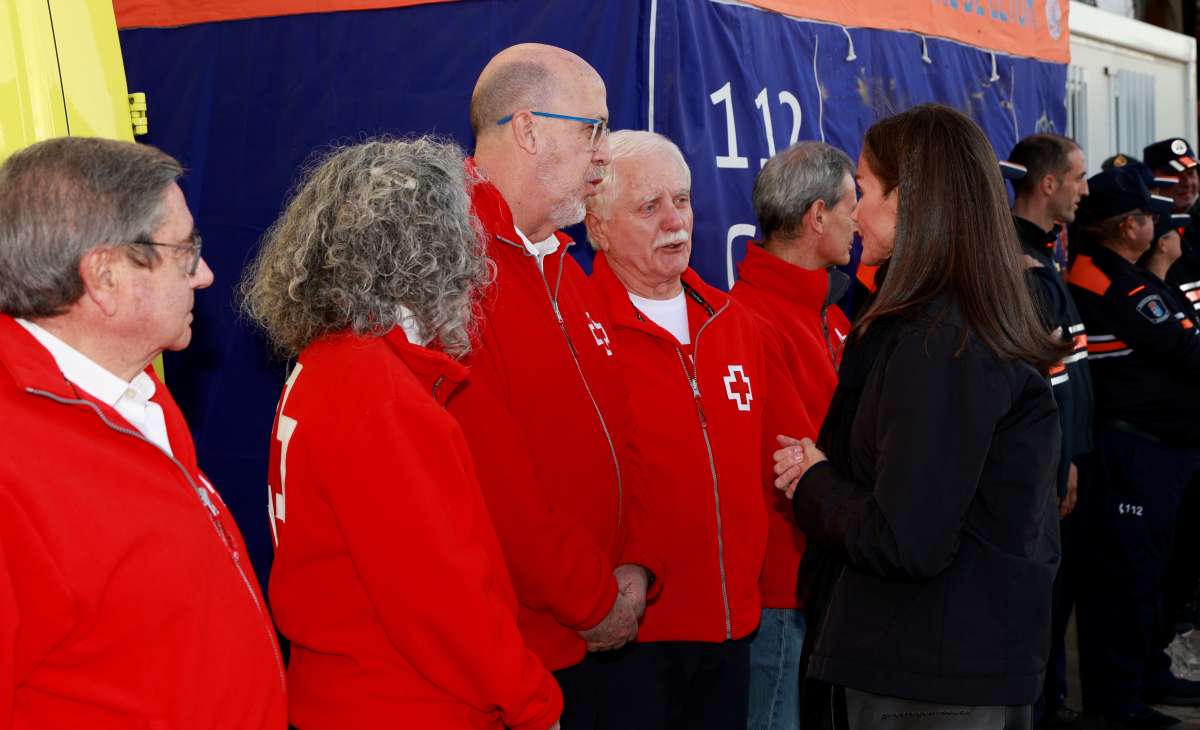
(243,104)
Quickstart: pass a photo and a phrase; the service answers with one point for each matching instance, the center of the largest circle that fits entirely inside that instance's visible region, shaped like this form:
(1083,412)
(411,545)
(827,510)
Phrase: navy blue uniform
(1072,384)
(1071,378)
(1144,354)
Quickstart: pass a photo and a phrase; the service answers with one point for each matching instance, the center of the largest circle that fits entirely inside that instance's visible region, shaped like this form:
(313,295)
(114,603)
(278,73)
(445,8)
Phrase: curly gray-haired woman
(388,578)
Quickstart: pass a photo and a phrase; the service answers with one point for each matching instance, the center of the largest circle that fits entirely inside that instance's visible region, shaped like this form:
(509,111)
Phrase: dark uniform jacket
(1071,378)
(939,498)
(1185,273)
(1143,348)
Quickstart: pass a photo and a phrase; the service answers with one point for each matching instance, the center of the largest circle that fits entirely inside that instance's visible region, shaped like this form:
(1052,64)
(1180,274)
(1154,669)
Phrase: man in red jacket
(545,411)
(710,392)
(126,597)
(803,199)
(388,578)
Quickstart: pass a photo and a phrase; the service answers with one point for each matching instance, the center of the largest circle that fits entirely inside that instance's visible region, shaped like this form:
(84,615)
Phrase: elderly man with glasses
(544,411)
(128,599)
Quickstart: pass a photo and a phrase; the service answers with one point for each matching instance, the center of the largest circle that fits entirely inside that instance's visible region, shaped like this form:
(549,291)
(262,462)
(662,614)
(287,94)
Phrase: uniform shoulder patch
(1085,274)
(1154,309)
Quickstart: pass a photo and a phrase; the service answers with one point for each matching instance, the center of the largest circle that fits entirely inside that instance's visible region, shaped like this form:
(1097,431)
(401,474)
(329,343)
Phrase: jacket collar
(495,215)
(1033,237)
(30,365)
(437,372)
(625,314)
(814,290)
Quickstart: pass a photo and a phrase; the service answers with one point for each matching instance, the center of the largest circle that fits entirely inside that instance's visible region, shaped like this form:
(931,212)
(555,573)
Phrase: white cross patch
(599,334)
(737,386)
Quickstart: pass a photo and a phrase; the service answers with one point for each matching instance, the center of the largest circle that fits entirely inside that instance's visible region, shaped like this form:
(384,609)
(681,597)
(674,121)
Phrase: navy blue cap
(1173,154)
(1115,191)
(1171,222)
(1152,180)
(1012,171)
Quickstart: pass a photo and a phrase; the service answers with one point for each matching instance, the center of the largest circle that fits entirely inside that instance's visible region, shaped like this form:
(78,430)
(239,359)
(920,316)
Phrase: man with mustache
(544,410)
(708,393)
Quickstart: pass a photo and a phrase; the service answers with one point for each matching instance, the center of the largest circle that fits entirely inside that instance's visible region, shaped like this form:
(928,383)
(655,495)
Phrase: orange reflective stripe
(1137,289)
(1081,342)
(1187,323)
(1111,346)
(1058,368)
(1193,295)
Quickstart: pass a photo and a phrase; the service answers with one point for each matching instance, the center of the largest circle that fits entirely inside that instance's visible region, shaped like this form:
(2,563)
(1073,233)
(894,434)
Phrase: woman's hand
(793,460)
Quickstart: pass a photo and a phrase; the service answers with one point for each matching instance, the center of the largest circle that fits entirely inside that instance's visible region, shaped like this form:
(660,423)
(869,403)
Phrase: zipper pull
(699,405)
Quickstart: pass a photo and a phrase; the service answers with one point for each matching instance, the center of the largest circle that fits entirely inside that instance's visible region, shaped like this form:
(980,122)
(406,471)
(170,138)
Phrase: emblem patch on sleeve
(1153,309)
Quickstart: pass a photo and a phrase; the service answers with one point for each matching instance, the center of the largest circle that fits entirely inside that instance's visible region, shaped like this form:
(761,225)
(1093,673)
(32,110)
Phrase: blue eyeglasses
(599,126)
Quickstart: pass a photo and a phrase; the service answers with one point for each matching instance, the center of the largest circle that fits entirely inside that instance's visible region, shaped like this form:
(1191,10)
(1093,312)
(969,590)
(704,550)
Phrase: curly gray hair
(373,228)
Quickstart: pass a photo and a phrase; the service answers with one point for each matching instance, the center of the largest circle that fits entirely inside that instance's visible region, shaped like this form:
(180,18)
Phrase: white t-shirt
(670,314)
(130,399)
(538,250)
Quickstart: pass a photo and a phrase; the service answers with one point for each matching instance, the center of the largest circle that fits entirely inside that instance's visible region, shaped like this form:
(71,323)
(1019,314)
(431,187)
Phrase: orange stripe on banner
(1037,28)
(1112,346)
(171,13)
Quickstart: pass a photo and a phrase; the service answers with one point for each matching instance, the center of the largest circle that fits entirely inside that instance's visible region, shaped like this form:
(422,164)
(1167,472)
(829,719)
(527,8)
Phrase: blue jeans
(775,670)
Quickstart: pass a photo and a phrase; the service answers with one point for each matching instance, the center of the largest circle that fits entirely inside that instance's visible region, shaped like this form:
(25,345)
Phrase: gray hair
(372,228)
(631,144)
(792,181)
(63,197)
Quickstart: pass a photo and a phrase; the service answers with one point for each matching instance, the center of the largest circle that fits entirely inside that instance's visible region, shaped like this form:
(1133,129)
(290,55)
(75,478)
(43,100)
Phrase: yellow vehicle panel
(60,72)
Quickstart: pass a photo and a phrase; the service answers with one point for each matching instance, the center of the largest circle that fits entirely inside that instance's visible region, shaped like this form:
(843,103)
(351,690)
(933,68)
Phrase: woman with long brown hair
(934,483)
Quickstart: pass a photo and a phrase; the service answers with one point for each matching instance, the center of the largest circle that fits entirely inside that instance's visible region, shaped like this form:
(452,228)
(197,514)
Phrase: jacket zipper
(712,467)
(825,334)
(562,326)
(209,508)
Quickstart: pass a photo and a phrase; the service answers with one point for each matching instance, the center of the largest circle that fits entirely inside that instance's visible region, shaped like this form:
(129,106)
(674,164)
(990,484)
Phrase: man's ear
(596,231)
(1049,184)
(102,270)
(524,131)
(815,218)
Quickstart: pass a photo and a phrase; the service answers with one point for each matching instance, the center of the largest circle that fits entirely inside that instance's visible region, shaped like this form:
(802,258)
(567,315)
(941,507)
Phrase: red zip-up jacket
(126,596)
(701,428)
(547,418)
(388,578)
(801,313)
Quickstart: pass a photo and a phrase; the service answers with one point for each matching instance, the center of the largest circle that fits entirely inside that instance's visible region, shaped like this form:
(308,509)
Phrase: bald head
(525,76)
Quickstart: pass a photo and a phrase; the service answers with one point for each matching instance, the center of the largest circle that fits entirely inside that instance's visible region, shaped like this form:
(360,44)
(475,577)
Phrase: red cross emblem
(737,387)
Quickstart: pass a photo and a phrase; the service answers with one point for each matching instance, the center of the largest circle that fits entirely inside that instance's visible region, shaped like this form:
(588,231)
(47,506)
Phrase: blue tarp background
(244,104)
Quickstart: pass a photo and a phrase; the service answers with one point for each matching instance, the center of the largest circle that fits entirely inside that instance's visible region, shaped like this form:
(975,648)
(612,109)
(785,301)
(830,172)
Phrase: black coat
(939,499)
(1071,378)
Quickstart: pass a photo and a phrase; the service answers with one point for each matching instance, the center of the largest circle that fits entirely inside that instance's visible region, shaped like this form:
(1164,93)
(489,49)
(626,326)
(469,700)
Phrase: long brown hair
(954,233)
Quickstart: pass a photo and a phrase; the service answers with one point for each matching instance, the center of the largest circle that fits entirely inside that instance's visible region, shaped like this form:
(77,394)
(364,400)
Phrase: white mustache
(668,239)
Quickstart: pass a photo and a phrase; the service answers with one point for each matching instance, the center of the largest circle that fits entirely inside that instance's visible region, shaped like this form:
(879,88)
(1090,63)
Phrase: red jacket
(701,430)
(388,578)
(546,417)
(126,598)
(811,331)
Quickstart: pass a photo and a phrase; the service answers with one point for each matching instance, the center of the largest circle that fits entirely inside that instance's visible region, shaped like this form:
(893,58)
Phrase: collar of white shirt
(538,250)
